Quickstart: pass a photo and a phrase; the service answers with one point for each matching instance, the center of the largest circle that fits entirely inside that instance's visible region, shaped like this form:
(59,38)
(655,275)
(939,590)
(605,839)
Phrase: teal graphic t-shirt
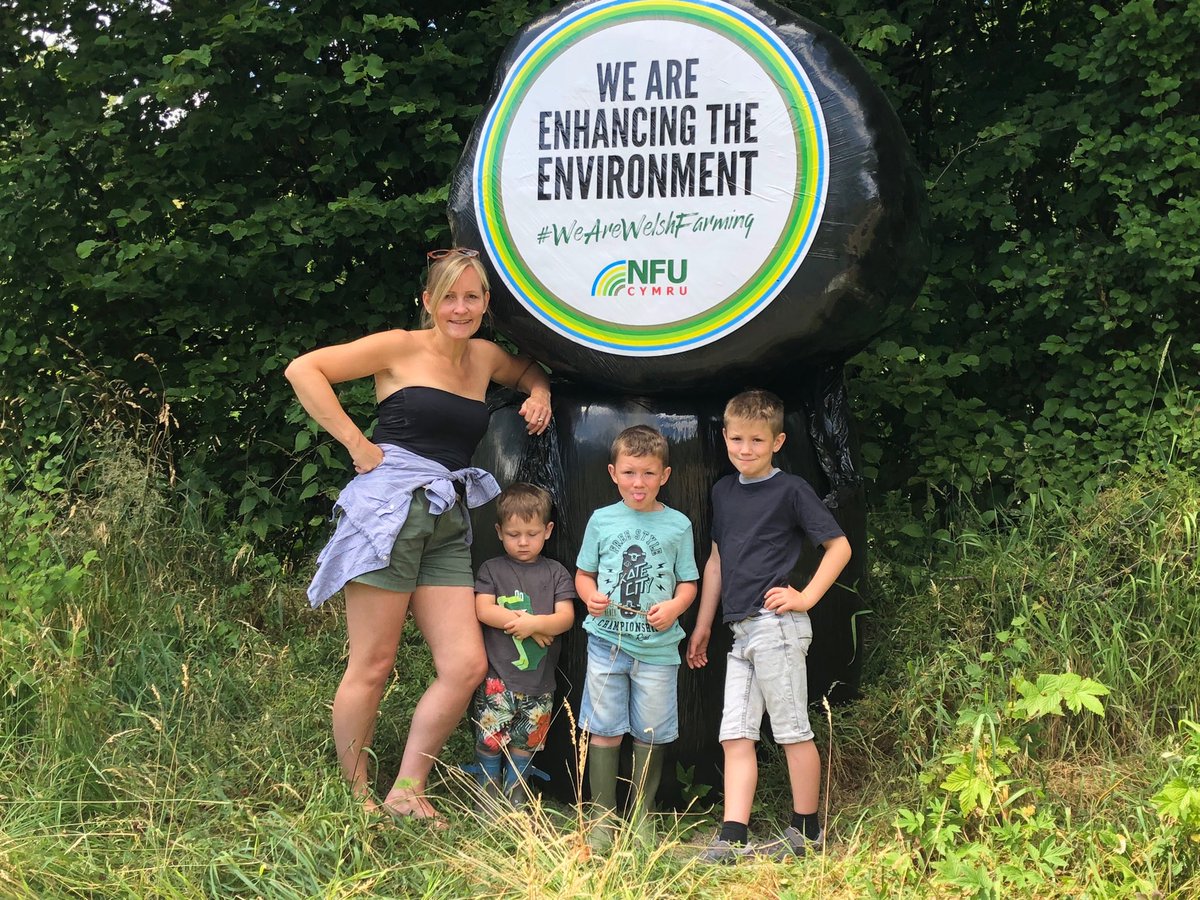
(638,558)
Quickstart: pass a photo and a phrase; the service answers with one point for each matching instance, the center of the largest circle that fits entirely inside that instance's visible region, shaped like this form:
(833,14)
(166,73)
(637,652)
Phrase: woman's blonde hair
(441,277)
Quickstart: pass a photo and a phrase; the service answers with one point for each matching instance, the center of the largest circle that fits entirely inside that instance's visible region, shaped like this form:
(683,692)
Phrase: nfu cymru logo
(642,278)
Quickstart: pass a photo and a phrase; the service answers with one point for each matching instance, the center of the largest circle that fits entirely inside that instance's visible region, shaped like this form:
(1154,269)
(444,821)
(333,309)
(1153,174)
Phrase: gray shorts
(766,672)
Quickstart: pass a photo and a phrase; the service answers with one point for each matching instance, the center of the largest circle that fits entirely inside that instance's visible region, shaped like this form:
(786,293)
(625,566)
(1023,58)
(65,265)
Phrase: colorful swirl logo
(611,280)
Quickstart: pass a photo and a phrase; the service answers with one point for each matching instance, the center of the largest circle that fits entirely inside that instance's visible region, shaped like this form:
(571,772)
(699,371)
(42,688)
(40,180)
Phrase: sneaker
(723,853)
(791,842)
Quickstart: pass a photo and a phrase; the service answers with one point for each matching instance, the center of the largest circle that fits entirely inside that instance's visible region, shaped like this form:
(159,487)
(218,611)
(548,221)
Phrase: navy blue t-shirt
(759,529)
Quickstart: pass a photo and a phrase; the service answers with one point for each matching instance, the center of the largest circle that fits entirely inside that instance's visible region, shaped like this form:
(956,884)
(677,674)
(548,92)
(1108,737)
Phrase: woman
(413,479)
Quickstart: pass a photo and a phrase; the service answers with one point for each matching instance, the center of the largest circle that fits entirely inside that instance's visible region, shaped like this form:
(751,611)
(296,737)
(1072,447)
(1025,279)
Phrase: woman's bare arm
(523,374)
(314,374)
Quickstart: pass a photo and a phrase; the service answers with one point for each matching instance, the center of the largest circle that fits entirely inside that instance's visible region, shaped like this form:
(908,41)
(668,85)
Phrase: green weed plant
(1023,729)
(1178,802)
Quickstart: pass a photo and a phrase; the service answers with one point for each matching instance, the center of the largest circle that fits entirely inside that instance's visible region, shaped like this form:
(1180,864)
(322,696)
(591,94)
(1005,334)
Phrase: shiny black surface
(571,461)
(863,269)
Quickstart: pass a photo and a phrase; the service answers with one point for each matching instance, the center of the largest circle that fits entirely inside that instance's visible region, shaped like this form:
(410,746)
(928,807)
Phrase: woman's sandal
(427,815)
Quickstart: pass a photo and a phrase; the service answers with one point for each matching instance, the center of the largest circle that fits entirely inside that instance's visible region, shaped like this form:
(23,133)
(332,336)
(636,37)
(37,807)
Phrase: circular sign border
(763,285)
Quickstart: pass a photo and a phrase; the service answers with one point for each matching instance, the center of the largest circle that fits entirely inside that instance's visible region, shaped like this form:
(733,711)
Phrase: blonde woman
(402,537)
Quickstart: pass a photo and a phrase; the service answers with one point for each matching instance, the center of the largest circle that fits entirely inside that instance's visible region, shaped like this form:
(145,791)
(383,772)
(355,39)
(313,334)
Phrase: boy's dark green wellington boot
(647,773)
(602,779)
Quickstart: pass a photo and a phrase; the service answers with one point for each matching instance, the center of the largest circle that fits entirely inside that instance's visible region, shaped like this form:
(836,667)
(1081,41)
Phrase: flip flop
(436,821)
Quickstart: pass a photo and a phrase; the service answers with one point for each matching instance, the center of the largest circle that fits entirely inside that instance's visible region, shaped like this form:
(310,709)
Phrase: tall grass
(164,727)
(1106,587)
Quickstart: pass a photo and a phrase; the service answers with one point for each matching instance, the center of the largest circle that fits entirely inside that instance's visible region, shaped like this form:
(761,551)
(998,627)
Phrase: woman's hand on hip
(366,456)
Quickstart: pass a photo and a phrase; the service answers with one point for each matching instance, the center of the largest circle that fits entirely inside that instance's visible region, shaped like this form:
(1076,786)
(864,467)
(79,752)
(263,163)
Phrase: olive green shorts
(429,550)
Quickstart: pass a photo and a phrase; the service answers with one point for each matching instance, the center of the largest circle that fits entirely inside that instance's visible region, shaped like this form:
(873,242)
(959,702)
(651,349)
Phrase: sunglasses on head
(435,255)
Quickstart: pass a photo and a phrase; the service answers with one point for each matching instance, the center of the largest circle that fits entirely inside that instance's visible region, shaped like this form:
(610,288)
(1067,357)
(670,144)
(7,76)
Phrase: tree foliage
(191,194)
(195,193)
(1056,334)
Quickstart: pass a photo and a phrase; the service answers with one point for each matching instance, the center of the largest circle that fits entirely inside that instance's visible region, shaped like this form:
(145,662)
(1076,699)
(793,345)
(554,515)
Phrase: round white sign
(651,174)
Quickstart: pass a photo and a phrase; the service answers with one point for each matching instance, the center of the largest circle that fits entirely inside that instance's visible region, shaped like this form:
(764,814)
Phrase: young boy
(524,601)
(637,574)
(760,518)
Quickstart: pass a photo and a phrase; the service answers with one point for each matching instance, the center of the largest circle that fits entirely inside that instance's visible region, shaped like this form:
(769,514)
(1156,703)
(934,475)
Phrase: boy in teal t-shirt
(637,574)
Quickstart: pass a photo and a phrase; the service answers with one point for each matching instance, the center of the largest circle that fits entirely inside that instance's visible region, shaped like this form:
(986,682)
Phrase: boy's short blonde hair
(640,440)
(524,501)
(756,406)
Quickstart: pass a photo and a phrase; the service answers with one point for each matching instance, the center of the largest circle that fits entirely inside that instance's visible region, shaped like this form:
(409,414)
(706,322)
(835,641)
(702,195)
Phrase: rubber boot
(489,775)
(647,773)
(602,779)
(516,778)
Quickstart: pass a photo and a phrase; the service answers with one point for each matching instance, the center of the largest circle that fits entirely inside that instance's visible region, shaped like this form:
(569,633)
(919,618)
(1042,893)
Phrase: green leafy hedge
(191,194)
(1056,335)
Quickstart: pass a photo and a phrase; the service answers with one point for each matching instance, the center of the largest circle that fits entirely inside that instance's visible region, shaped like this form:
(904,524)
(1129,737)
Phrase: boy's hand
(787,599)
(543,640)
(523,626)
(662,616)
(697,648)
(597,604)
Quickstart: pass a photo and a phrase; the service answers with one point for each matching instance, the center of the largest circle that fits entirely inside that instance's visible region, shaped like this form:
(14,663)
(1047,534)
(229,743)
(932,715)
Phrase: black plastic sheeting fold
(864,267)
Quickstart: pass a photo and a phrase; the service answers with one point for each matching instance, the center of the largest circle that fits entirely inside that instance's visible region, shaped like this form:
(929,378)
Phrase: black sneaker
(791,843)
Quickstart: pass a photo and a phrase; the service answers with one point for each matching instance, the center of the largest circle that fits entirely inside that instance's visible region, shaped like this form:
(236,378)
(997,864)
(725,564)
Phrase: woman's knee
(372,670)
(466,669)
(446,617)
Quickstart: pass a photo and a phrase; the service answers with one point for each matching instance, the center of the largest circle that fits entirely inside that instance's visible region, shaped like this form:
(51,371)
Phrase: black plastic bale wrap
(570,460)
(862,265)
(865,264)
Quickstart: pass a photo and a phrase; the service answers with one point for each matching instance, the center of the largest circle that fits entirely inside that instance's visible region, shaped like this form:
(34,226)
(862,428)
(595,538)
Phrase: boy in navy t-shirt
(761,517)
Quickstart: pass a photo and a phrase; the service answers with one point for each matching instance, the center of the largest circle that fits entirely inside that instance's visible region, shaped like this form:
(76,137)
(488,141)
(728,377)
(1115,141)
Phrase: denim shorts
(429,550)
(766,672)
(623,695)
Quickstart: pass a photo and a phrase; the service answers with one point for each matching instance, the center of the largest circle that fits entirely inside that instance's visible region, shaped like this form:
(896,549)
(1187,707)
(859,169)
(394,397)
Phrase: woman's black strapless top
(432,423)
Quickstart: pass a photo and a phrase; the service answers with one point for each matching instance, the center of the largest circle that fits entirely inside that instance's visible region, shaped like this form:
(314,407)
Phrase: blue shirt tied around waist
(374,506)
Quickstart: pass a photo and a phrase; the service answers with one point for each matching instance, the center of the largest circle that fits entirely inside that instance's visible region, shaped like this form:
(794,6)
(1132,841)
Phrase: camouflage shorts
(505,718)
